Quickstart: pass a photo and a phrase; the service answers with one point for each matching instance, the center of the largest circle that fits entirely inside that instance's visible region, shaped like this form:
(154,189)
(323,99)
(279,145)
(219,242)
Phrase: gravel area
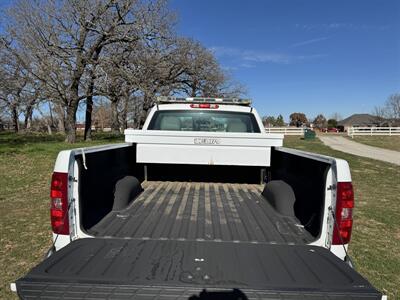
(342,144)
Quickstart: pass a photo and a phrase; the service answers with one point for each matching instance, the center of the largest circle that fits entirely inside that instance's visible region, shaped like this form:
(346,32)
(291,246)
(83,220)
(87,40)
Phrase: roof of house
(360,120)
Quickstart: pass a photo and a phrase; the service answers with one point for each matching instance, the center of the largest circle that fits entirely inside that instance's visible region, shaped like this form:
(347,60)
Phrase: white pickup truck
(199,204)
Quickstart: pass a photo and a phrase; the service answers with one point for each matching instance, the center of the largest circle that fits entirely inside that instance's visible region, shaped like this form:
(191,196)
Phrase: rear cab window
(205,120)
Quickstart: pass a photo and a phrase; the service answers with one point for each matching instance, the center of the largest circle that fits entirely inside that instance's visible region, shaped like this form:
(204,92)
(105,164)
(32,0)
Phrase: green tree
(279,121)
(320,121)
(332,123)
(298,119)
(269,121)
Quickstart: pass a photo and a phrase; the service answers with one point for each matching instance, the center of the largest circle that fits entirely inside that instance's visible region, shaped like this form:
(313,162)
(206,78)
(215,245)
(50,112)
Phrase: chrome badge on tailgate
(207,141)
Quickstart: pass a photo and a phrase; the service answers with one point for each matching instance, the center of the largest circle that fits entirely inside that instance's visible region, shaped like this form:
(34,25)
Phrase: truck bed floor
(202,211)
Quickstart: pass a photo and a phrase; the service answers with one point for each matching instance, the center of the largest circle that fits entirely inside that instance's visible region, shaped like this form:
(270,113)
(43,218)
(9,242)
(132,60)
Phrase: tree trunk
(15,120)
(147,103)
(61,118)
(70,123)
(73,100)
(29,113)
(51,116)
(193,87)
(89,99)
(125,114)
(28,118)
(88,118)
(114,116)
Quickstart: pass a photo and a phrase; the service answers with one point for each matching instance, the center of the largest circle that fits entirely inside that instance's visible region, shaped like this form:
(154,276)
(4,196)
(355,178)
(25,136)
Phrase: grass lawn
(387,142)
(26,164)
(375,245)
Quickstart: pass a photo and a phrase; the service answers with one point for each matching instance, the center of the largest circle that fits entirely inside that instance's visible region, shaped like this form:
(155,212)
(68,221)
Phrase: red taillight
(59,203)
(344,213)
(204,105)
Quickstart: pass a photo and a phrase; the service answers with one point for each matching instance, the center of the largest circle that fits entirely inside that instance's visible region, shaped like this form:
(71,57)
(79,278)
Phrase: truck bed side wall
(307,177)
(96,184)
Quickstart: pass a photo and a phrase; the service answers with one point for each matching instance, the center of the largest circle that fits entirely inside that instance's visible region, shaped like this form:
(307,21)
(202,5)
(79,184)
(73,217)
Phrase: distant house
(80,126)
(361,120)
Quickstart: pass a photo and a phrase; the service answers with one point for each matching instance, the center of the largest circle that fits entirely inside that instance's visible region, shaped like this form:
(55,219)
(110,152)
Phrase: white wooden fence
(352,131)
(286,130)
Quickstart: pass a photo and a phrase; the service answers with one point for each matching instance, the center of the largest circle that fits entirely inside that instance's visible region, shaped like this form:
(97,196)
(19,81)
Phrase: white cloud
(224,51)
(307,42)
(265,57)
(245,58)
(247,65)
(338,26)
(250,55)
(312,56)
(229,68)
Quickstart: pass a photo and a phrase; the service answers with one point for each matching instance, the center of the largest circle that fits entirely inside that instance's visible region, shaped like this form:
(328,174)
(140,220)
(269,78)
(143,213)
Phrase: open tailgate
(98,268)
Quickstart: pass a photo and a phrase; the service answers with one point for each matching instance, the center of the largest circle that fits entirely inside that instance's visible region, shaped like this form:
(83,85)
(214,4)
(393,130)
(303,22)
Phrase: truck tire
(126,190)
(281,196)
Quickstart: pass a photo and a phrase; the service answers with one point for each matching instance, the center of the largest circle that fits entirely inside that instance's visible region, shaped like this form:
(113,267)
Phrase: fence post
(390,131)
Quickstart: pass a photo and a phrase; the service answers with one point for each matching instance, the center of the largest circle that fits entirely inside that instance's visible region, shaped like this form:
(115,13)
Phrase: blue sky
(311,56)
(306,56)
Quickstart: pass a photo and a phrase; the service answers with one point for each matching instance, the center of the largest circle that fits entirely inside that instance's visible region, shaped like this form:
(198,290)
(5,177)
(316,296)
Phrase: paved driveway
(345,145)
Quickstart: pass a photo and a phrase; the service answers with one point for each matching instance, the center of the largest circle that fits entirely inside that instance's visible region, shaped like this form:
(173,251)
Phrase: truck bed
(202,211)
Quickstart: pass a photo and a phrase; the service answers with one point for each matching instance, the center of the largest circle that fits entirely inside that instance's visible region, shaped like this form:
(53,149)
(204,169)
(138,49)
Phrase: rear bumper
(339,251)
(97,291)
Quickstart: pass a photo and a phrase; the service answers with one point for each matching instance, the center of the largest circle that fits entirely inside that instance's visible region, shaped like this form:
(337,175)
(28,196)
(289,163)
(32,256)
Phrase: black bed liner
(205,211)
(102,268)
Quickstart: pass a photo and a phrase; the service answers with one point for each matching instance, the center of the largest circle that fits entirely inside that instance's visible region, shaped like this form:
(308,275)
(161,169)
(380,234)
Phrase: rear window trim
(256,127)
